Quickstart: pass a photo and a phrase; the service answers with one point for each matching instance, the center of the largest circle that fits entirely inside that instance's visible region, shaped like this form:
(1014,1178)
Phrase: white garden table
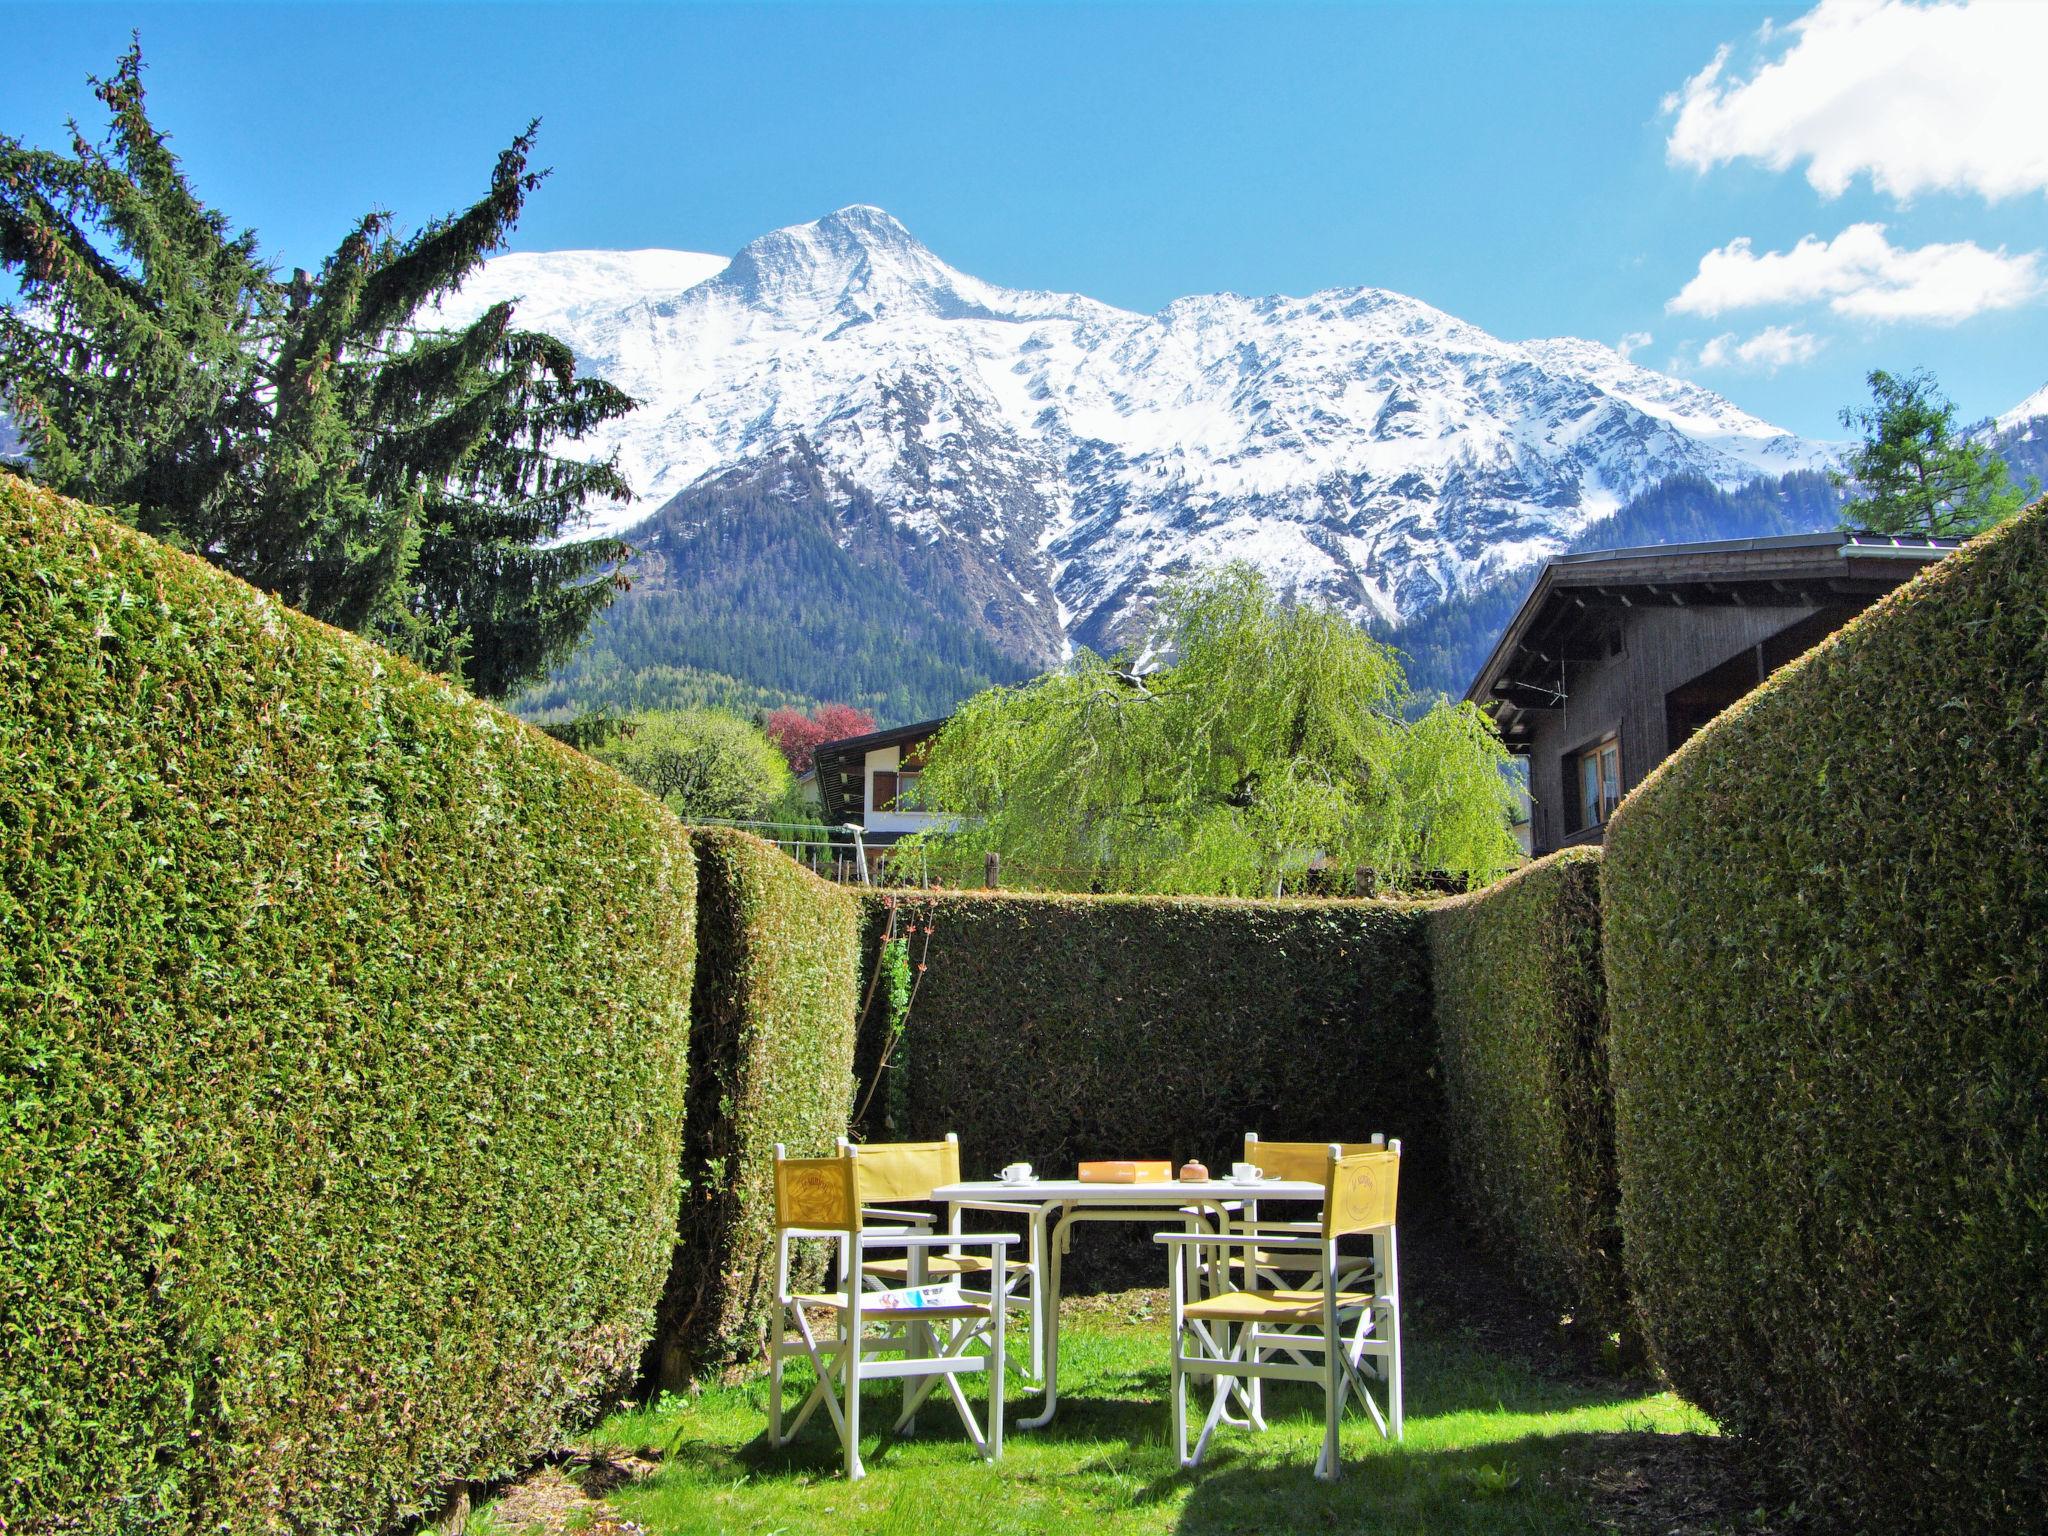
(1059,1203)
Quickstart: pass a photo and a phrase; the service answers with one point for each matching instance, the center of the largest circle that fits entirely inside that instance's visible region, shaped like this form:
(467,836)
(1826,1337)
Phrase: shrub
(771,1060)
(1828,970)
(1522,1035)
(342,1042)
(697,762)
(1057,1028)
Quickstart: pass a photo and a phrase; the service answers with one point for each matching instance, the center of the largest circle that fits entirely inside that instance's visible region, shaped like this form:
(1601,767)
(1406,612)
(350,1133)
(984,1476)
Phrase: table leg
(1046,1325)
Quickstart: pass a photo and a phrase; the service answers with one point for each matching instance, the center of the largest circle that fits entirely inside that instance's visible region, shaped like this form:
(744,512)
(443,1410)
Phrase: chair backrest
(903,1170)
(1360,1189)
(816,1192)
(1306,1161)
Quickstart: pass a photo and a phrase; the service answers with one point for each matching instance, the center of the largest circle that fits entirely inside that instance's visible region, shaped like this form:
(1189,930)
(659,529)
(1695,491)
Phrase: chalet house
(1618,656)
(871,782)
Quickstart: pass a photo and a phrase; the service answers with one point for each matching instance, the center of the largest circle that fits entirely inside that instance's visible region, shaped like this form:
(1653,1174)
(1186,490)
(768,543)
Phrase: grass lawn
(1506,1433)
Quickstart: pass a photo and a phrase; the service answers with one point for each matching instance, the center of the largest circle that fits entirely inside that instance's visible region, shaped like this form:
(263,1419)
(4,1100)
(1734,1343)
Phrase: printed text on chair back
(816,1192)
(1307,1161)
(904,1170)
(1361,1191)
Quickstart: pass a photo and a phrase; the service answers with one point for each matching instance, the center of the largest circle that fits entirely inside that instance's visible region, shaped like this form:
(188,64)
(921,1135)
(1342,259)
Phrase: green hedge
(1057,1028)
(771,1060)
(342,1046)
(1521,1023)
(1827,964)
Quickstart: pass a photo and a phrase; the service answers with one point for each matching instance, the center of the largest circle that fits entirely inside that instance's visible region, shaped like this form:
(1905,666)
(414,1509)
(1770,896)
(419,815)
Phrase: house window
(909,791)
(1594,775)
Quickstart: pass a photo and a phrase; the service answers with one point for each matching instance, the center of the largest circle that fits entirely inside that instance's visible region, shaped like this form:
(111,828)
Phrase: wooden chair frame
(816,1199)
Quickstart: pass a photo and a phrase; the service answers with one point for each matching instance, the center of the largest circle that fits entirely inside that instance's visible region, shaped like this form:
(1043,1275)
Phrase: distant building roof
(1577,593)
(842,766)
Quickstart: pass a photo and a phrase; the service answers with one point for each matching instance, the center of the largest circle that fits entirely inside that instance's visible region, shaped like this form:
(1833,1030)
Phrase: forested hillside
(744,595)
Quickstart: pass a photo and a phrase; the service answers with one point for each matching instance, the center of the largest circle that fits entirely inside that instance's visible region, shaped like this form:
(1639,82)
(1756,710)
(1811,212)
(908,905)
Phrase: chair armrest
(944,1239)
(1007,1207)
(884,1213)
(1239,1240)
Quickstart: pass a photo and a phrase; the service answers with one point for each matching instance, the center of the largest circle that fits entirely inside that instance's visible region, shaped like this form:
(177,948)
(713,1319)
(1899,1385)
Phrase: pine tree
(1917,474)
(131,374)
(319,436)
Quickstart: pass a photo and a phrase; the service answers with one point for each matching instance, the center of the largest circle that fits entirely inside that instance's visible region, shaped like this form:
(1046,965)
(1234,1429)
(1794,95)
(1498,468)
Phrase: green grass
(1490,1442)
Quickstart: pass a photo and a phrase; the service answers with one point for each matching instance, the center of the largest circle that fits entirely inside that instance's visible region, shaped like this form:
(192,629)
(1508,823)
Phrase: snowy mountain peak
(1060,457)
(855,261)
(2029,409)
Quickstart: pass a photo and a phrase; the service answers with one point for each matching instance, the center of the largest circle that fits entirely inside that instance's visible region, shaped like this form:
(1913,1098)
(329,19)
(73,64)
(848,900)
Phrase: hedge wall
(1521,1022)
(1827,963)
(1056,1028)
(771,1060)
(342,1041)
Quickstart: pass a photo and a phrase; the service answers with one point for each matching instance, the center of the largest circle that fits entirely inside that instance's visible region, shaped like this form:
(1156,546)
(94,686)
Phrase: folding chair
(920,1335)
(1240,1337)
(908,1171)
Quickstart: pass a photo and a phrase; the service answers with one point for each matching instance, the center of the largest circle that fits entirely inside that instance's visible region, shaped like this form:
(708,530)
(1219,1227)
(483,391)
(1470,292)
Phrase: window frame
(1595,751)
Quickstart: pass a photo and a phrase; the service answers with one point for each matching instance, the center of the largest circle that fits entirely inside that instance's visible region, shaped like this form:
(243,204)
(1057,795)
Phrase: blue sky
(1519,165)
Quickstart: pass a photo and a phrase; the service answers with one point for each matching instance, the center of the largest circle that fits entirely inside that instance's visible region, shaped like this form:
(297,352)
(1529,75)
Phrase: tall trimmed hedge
(1521,1024)
(1827,963)
(342,1047)
(1057,1028)
(771,1060)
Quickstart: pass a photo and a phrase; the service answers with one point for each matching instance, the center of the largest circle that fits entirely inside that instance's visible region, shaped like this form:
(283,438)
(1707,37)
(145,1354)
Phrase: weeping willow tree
(321,436)
(1275,742)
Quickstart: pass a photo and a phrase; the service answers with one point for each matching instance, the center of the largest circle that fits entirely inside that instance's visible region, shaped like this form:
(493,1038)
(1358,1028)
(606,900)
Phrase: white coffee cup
(1016,1173)
(1244,1173)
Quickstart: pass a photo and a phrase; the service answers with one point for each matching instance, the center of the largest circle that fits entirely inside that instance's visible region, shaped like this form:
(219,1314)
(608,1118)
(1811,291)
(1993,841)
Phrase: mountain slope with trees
(790,581)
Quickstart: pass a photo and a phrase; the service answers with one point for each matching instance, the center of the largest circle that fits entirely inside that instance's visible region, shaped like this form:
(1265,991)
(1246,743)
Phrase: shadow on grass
(1543,1485)
(1117,1425)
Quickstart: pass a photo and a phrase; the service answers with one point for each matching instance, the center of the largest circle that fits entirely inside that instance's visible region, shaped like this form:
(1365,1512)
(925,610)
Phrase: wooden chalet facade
(1618,656)
(871,781)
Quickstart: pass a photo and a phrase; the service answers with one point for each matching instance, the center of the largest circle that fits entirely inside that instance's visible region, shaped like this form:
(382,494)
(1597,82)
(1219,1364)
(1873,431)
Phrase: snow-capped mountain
(1055,458)
(2030,410)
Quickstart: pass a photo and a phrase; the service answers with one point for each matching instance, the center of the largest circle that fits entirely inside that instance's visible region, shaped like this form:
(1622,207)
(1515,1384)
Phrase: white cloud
(1861,274)
(1633,343)
(1919,97)
(1772,348)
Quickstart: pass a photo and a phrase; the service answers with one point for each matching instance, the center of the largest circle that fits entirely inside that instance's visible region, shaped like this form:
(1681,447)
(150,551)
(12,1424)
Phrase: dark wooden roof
(842,767)
(1572,607)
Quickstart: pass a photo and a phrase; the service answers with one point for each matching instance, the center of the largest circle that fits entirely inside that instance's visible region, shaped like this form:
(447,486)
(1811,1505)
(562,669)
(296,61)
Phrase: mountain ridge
(1360,446)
